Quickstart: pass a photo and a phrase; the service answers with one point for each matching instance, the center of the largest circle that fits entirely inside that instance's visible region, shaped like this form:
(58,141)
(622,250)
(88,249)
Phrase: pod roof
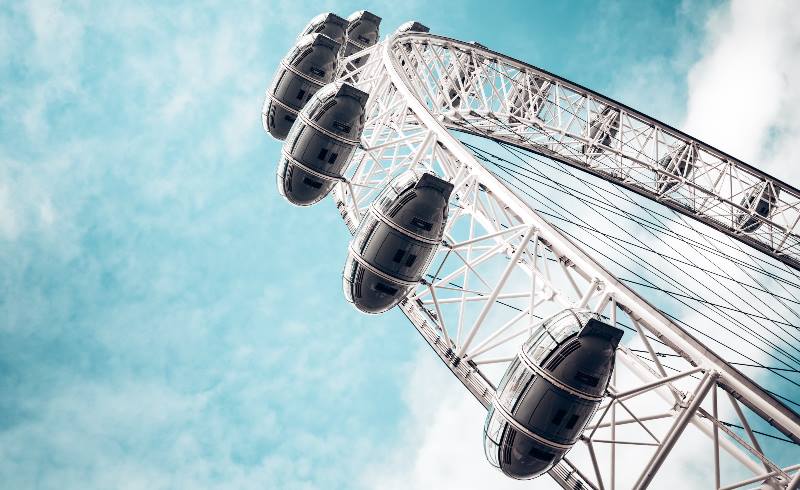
(329,24)
(413,26)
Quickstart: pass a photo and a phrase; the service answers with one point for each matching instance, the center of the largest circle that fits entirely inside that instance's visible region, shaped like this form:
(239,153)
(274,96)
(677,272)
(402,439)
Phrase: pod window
(572,421)
(357,283)
(299,56)
(569,349)
(312,183)
(287,180)
(539,454)
(512,434)
(325,108)
(343,127)
(422,224)
(386,289)
(559,416)
(402,202)
(587,378)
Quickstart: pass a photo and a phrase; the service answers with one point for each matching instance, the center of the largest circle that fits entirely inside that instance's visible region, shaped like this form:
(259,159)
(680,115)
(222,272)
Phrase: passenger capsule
(760,201)
(413,26)
(321,143)
(396,241)
(329,24)
(549,393)
(602,130)
(457,79)
(362,32)
(527,96)
(309,65)
(678,162)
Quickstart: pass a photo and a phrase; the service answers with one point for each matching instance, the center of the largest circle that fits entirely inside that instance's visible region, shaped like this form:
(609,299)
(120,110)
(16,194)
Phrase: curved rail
(485,93)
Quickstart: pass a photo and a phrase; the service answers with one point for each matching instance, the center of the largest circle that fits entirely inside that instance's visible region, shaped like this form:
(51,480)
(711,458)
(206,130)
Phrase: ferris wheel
(605,285)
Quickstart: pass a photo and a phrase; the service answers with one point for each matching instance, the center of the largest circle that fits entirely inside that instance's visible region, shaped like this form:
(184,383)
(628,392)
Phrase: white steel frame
(491,95)
(502,268)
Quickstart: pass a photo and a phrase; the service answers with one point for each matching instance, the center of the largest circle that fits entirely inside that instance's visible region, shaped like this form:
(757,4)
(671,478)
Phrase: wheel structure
(502,267)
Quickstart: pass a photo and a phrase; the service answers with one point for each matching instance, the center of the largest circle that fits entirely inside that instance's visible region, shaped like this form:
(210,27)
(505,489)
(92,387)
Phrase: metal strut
(508,254)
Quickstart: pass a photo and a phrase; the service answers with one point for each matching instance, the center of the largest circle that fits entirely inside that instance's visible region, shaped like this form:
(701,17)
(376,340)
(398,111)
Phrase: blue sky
(166,320)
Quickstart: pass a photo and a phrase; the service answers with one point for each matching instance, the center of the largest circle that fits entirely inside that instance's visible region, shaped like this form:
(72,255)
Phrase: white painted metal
(504,99)
(498,251)
(676,430)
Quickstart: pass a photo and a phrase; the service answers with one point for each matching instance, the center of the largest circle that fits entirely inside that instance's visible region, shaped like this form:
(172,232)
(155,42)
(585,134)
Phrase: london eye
(605,285)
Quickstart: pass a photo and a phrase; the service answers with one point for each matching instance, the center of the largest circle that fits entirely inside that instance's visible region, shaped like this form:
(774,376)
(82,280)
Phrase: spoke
(479,349)
(625,395)
(440,317)
(486,237)
(676,430)
(477,290)
(503,278)
(632,421)
(595,466)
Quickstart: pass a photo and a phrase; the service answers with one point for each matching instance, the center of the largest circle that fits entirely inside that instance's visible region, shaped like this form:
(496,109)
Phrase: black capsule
(413,26)
(309,65)
(320,144)
(549,393)
(602,131)
(329,24)
(396,241)
(363,31)
(457,78)
(760,201)
(679,163)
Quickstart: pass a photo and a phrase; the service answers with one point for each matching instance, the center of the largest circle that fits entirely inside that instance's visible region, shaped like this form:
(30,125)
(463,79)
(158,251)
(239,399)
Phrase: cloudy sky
(167,321)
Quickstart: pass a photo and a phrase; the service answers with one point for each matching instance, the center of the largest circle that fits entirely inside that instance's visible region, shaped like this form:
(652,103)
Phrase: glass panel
(404,181)
(293,52)
(364,231)
(396,187)
(385,199)
(350,269)
(555,331)
(506,376)
(492,432)
(518,380)
(314,103)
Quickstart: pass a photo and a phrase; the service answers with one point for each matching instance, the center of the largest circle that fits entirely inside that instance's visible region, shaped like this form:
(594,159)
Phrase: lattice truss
(502,269)
(484,93)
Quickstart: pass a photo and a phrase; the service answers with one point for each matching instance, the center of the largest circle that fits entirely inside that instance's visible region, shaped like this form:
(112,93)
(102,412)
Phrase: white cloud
(744,93)
(58,34)
(56,55)
(443,446)
(25,199)
(747,84)
(9,226)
